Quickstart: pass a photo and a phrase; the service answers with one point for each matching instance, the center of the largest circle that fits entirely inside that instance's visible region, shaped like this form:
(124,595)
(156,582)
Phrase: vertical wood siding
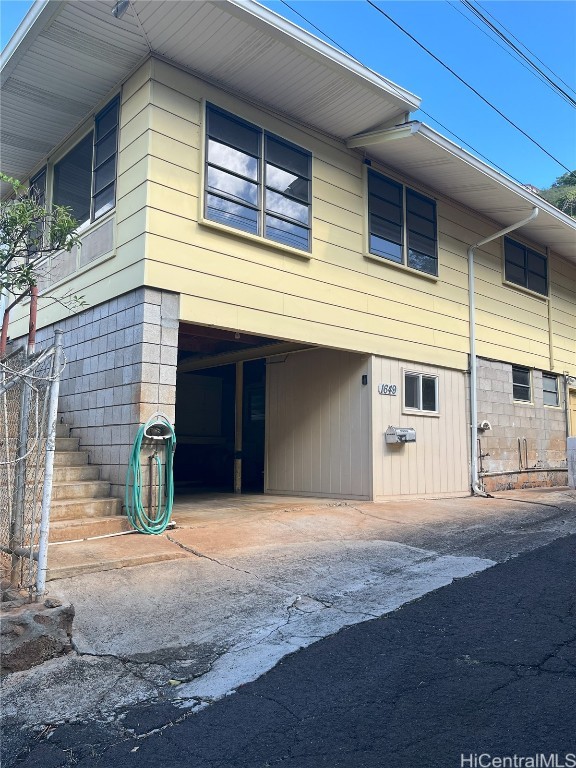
(438,461)
(317,425)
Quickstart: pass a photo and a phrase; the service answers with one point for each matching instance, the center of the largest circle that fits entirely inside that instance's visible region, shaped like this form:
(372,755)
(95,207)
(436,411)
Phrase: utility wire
(487,12)
(529,68)
(470,87)
(390,84)
(556,88)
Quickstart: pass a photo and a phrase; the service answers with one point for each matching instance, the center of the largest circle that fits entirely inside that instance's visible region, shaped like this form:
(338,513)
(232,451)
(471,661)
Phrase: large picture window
(256,182)
(85,178)
(402,224)
(525,267)
(73,180)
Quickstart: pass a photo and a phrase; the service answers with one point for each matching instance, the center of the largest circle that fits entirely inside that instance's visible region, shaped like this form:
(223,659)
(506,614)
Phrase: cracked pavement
(155,645)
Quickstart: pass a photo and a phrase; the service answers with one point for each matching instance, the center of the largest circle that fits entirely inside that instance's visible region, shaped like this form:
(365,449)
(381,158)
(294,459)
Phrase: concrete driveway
(256,581)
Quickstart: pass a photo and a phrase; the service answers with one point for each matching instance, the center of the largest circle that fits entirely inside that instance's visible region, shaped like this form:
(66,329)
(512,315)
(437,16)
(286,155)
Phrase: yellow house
(328,298)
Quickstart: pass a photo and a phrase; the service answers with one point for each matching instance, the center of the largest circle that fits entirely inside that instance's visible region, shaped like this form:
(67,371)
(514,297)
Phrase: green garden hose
(159,428)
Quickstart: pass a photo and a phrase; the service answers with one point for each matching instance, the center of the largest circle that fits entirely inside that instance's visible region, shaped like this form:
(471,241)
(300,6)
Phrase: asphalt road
(483,667)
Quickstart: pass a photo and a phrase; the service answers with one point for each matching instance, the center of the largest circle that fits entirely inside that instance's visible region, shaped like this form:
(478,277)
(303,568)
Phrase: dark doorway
(253,426)
(205,429)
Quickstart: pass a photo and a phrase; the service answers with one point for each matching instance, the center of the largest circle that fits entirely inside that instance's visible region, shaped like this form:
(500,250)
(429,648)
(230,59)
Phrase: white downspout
(475,480)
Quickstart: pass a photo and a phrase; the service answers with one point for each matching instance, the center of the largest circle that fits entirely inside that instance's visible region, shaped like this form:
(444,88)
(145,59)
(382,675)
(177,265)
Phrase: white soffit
(417,151)
(69,54)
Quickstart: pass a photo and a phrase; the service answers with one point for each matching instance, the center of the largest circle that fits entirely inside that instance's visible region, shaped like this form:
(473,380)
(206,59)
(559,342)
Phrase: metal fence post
(49,466)
(17,523)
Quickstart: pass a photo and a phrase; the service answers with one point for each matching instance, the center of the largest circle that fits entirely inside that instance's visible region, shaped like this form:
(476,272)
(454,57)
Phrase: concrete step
(76,473)
(70,458)
(76,530)
(88,489)
(62,430)
(93,555)
(82,508)
(67,444)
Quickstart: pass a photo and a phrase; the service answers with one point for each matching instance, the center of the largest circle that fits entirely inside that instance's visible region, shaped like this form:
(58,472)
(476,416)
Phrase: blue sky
(546,27)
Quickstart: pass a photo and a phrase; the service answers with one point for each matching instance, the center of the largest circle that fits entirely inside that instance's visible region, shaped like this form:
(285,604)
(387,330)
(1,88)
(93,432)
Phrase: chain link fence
(28,402)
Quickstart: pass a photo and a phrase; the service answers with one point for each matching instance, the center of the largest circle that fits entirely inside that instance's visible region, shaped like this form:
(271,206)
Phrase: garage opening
(221,410)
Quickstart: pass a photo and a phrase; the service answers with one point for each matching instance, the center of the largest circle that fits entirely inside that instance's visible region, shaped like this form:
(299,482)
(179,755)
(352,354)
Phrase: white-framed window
(550,389)
(257,182)
(521,384)
(420,392)
(525,267)
(401,224)
(84,179)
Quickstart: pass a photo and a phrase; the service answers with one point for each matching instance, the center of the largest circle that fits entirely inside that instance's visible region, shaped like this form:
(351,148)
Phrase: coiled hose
(140,519)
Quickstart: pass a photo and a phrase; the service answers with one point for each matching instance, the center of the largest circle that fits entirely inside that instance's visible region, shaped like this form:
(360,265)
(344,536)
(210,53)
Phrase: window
(521,387)
(85,178)
(550,389)
(256,182)
(525,267)
(402,224)
(421,392)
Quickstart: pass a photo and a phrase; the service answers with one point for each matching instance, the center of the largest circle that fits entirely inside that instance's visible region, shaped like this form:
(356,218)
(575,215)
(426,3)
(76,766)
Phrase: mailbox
(400,435)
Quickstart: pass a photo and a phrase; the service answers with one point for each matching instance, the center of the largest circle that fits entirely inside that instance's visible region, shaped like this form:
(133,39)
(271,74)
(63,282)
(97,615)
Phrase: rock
(51,602)
(34,633)
(10,594)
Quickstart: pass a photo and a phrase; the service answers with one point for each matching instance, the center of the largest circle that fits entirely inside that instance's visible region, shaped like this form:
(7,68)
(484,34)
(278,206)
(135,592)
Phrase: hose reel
(157,435)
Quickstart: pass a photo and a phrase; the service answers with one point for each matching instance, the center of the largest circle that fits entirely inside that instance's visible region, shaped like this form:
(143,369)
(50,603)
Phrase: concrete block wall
(543,427)
(121,368)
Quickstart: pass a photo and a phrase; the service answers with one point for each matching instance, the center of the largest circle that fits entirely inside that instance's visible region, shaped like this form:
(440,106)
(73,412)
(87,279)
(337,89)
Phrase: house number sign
(387,389)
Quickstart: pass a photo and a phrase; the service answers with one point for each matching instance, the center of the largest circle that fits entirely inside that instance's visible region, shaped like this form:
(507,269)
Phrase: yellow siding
(121,270)
(337,298)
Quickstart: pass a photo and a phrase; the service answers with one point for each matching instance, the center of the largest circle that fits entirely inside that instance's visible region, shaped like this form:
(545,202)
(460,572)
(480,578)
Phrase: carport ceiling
(200,341)
(204,347)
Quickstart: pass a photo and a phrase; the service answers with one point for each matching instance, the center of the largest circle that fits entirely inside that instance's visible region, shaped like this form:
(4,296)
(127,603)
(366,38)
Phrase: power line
(391,85)
(486,11)
(556,88)
(509,53)
(470,87)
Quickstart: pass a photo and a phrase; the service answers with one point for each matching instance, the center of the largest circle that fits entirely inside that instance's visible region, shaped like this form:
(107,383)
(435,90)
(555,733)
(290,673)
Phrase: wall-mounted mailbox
(400,435)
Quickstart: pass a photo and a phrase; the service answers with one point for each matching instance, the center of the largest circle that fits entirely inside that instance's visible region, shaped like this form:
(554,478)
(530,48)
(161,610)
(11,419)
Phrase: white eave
(416,150)
(67,55)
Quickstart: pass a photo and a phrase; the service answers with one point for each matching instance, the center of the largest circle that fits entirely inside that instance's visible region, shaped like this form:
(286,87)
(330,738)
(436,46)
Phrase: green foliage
(29,234)
(562,193)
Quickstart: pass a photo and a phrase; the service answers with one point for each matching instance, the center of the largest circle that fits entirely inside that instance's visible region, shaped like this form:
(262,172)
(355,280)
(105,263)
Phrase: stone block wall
(543,427)
(121,368)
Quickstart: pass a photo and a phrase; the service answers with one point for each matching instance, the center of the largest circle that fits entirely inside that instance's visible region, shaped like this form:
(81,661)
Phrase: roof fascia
(381,136)
(414,128)
(408,100)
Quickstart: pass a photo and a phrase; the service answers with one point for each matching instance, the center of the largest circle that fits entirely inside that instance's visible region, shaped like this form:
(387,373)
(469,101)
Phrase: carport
(262,415)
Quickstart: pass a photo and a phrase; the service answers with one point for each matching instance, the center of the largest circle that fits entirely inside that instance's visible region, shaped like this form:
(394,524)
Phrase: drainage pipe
(474,476)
